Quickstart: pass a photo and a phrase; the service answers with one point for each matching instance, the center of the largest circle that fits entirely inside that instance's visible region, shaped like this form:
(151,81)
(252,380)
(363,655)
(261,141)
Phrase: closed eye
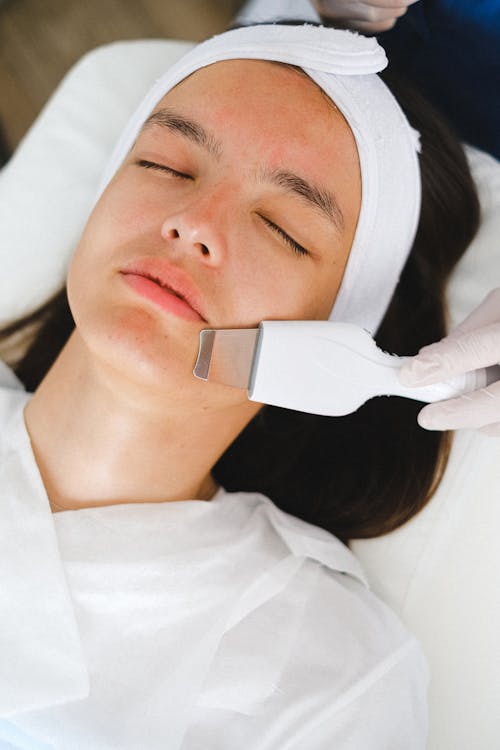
(299,249)
(286,238)
(162,168)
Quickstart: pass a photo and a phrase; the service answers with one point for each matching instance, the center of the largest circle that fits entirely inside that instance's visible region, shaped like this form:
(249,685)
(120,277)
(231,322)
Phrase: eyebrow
(320,198)
(190,129)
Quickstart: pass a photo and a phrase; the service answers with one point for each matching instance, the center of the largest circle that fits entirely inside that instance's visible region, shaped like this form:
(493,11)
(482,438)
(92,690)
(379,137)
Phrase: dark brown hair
(367,473)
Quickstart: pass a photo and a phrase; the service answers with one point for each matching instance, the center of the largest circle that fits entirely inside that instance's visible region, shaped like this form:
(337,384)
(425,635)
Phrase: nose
(199,229)
(172,233)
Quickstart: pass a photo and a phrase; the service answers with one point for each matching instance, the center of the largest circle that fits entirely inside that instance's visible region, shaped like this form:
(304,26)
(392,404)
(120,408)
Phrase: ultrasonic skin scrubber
(320,367)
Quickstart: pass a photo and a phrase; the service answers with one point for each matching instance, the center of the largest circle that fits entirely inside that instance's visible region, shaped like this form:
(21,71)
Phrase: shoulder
(322,664)
(323,635)
(325,581)
(355,644)
(353,657)
(350,631)
(302,539)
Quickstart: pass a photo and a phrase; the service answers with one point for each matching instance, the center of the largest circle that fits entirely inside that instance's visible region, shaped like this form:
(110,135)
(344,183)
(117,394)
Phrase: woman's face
(241,194)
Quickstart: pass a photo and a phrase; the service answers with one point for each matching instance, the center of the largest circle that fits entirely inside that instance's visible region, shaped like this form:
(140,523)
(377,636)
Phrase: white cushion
(439,571)
(47,188)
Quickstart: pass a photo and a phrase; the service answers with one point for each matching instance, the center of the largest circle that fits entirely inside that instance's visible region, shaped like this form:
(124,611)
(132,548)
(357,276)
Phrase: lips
(168,277)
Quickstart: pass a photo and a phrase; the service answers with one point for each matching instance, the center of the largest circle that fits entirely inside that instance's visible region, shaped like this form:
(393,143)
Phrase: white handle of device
(330,368)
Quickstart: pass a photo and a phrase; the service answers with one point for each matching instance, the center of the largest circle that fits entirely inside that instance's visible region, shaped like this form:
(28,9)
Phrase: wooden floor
(41,39)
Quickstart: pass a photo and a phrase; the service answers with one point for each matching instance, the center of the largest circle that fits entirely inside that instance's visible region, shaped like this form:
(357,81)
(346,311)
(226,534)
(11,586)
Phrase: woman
(148,606)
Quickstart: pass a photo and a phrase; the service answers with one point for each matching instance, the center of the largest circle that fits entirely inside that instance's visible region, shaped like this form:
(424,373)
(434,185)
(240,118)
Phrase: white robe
(193,625)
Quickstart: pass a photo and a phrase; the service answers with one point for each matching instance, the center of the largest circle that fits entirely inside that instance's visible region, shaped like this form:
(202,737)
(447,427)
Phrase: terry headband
(344,64)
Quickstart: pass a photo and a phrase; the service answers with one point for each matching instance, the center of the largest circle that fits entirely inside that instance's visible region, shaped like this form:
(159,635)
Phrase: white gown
(221,625)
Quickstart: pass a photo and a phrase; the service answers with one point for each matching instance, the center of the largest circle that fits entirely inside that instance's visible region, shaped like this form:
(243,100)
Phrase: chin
(132,344)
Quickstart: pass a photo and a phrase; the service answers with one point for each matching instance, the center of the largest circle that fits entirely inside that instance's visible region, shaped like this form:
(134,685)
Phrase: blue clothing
(450,49)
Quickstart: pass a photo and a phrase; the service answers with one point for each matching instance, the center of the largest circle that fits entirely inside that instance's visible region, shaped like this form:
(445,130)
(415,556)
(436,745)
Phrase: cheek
(118,220)
(295,290)
(326,283)
(314,294)
(125,210)
(121,216)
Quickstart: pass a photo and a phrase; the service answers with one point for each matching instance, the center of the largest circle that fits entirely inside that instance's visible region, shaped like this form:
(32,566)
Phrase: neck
(101,441)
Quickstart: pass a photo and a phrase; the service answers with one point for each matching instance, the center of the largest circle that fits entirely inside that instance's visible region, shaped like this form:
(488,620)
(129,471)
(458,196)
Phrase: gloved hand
(473,344)
(371,16)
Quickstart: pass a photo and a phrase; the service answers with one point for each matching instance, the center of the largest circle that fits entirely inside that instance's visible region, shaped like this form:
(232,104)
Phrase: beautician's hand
(473,344)
(371,16)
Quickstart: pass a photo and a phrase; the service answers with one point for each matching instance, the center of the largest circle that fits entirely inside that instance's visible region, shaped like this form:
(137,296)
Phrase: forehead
(270,102)
(244,74)
(242,78)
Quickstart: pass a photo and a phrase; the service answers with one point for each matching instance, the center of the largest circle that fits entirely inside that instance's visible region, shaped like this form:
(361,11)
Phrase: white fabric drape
(189,625)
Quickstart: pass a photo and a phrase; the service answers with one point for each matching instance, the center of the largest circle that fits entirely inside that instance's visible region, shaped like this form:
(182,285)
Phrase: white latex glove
(370,16)
(475,343)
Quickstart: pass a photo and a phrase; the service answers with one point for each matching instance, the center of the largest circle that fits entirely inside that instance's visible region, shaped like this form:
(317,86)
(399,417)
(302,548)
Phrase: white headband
(344,64)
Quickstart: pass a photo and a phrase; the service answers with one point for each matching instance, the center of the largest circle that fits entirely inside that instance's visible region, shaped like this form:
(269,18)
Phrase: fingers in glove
(378,15)
(476,410)
(368,28)
(363,8)
(453,355)
(441,360)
